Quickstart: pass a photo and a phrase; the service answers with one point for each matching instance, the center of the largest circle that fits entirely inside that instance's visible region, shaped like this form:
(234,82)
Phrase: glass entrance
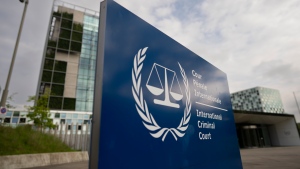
(253,136)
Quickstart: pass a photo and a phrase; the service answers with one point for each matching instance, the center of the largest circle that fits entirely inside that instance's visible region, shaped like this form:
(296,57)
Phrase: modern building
(68,64)
(260,119)
(258,99)
(14,117)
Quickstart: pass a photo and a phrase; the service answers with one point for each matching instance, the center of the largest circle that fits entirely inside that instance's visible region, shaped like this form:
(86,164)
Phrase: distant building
(260,119)
(15,117)
(69,61)
(258,99)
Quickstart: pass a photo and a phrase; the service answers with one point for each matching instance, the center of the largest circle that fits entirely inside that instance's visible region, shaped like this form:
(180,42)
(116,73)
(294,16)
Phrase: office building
(258,99)
(260,119)
(68,64)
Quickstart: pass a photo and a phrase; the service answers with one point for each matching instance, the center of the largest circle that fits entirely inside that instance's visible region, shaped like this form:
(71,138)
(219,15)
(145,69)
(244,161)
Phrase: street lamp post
(5,91)
(296,102)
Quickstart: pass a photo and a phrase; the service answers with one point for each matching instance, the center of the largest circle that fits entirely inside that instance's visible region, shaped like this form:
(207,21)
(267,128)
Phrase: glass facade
(68,67)
(87,65)
(14,117)
(258,99)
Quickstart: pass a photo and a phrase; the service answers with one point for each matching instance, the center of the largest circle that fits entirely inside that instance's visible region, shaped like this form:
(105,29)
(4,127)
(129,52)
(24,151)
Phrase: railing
(76,136)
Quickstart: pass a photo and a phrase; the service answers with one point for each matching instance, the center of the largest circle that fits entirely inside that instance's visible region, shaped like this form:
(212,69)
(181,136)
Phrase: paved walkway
(259,158)
(271,158)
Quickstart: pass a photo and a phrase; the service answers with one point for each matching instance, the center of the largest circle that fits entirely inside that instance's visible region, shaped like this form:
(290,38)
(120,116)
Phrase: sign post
(157,104)
(3,111)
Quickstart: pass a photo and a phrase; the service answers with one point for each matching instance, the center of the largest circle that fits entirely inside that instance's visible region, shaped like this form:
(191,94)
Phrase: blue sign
(3,110)
(157,104)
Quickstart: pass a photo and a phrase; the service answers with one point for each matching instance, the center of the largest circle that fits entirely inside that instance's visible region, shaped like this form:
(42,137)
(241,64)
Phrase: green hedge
(47,75)
(77,36)
(57,90)
(55,103)
(66,24)
(64,15)
(60,66)
(78,27)
(50,53)
(67,15)
(59,78)
(69,104)
(25,140)
(52,43)
(48,64)
(63,44)
(65,34)
(75,46)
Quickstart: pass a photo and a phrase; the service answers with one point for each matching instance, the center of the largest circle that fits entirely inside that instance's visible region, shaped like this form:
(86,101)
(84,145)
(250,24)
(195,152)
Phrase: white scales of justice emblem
(157,88)
(173,89)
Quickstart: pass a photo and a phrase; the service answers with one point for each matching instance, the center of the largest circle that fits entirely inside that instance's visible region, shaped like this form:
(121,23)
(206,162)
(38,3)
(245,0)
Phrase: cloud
(276,69)
(254,42)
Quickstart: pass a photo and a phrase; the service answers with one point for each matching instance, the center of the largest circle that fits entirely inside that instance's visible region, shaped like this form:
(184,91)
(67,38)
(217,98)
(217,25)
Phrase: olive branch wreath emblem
(141,106)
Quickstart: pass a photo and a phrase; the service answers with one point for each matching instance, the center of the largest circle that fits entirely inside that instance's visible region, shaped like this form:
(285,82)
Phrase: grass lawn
(24,140)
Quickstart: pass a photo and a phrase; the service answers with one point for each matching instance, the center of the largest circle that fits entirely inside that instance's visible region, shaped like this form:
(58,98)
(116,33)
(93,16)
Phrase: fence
(76,136)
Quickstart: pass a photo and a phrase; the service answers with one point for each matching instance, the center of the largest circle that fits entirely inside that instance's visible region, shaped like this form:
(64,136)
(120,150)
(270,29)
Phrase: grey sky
(255,42)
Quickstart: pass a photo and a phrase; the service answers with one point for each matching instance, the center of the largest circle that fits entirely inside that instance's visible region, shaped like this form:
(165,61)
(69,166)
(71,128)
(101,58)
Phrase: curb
(35,160)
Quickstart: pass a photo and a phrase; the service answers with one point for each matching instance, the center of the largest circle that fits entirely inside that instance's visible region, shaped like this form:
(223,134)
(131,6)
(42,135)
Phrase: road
(259,158)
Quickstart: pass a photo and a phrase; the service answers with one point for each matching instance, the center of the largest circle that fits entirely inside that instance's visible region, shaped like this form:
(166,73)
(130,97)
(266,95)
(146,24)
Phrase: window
(75,116)
(57,90)
(52,43)
(46,77)
(75,46)
(69,121)
(69,116)
(48,64)
(77,27)
(50,53)
(63,44)
(80,116)
(69,104)
(60,66)
(77,36)
(57,115)
(16,114)
(8,114)
(55,103)
(63,115)
(59,77)
(62,121)
(15,120)
(64,33)
(22,120)
(86,116)
(66,24)
(7,120)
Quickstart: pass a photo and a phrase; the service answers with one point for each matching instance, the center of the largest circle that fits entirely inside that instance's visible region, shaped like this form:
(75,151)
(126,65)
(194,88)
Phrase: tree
(10,100)
(40,113)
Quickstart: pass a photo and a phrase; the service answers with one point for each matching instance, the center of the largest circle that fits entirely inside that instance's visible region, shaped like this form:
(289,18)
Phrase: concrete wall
(273,136)
(284,133)
(35,160)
